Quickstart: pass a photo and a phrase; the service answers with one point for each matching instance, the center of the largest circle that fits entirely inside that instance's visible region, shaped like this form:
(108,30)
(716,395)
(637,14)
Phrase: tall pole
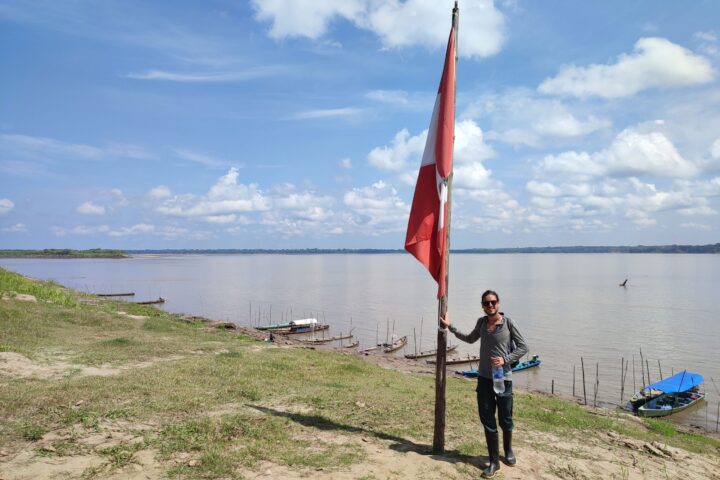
(440,374)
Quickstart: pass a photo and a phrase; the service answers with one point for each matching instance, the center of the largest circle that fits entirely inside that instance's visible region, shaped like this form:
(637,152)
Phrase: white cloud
(378,206)
(404,151)
(200,158)
(403,148)
(208,77)
(6,205)
(137,229)
(346,163)
(327,113)
(543,189)
(655,63)
(226,197)
(630,154)
(160,192)
(715,149)
(46,148)
(17,228)
(221,219)
(521,117)
(89,208)
(80,230)
(398,24)
(307,18)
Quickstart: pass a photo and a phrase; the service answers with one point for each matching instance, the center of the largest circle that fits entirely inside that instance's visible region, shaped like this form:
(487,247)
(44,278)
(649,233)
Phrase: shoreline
(96,388)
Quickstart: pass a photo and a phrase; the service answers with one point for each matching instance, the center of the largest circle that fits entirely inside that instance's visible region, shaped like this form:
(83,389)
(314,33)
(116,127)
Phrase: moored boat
(396,345)
(457,360)
(680,382)
(669,403)
(429,353)
(533,362)
(126,294)
(300,329)
(152,302)
(328,339)
(294,323)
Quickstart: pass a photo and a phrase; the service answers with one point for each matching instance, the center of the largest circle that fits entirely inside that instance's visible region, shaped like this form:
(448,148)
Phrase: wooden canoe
(429,353)
(301,330)
(152,302)
(457,360)
(128,294)
(396,345)
(328,339)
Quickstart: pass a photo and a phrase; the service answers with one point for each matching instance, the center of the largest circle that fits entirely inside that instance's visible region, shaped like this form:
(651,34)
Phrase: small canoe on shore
(428,353)
(680,382)
(396,345)
(352,344)
(152,302)
(294,323)
(128,294)
(457,360)
(669,403)
(301,330)
(328,339)
(533,362)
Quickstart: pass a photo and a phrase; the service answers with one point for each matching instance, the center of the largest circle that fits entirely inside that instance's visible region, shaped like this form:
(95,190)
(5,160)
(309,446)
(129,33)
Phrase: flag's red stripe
(423,238)
(446,118)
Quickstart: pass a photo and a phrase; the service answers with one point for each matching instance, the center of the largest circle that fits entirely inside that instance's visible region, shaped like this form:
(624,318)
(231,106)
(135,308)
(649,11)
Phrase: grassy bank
(214,403)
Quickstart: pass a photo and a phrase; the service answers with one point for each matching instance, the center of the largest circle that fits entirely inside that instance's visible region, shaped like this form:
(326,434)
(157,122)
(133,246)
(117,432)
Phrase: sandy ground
(597,455)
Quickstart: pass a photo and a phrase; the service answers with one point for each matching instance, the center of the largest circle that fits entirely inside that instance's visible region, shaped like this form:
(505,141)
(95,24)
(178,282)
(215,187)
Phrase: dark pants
(488,400)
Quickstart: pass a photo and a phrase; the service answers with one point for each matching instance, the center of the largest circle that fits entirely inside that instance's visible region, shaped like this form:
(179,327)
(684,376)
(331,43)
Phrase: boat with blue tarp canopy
(680,382)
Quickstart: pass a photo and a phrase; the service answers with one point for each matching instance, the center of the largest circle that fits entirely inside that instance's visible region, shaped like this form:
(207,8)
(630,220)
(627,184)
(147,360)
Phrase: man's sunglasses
(488,303)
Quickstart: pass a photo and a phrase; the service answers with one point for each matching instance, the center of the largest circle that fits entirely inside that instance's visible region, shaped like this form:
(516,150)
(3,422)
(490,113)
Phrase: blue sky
(300,124)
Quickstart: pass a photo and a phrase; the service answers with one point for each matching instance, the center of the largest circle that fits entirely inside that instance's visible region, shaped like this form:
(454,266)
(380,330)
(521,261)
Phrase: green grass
(12,283)
(230,402)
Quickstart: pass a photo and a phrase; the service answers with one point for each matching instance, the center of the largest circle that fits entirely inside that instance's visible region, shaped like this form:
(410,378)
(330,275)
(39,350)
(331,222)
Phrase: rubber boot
(507,446)
(494,453)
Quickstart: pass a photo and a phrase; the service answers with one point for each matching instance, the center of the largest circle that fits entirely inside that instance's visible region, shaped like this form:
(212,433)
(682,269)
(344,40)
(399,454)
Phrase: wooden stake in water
(573,380)
(660,369)
(421,325)
(647,365)
(415,342)
(387,332)
(597,383)
(633,358)
(582,365)
(642,368)
(552,387)
(623,382)
(622,379)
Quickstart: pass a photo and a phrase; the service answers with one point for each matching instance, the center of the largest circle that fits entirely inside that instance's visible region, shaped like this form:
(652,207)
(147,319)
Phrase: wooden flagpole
(440,373)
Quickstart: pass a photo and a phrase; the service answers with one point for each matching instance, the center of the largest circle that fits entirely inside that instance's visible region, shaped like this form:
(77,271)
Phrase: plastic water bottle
(498,375)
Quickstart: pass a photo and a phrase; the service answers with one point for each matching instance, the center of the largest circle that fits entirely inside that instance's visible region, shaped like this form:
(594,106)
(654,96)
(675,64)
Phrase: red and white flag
(427,228)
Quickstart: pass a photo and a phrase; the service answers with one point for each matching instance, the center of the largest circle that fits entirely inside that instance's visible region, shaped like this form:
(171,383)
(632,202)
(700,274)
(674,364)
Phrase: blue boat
(533,362)
(680,382)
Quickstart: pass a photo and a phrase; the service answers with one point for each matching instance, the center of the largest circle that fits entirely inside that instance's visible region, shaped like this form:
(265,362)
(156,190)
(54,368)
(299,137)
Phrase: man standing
(501,344)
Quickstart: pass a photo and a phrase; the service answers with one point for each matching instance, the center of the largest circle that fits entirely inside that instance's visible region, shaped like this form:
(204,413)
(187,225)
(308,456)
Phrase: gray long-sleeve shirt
(496,344)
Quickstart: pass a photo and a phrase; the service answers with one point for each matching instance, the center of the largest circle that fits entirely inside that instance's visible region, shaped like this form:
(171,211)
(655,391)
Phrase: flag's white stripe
(443,199)
(429,153)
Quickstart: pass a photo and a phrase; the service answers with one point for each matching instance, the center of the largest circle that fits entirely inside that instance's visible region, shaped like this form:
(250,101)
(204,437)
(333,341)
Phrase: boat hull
(669,403)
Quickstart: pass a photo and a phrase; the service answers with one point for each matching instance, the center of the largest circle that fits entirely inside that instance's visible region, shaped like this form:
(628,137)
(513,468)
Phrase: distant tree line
(64,253)
(109,253)
(713,248)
